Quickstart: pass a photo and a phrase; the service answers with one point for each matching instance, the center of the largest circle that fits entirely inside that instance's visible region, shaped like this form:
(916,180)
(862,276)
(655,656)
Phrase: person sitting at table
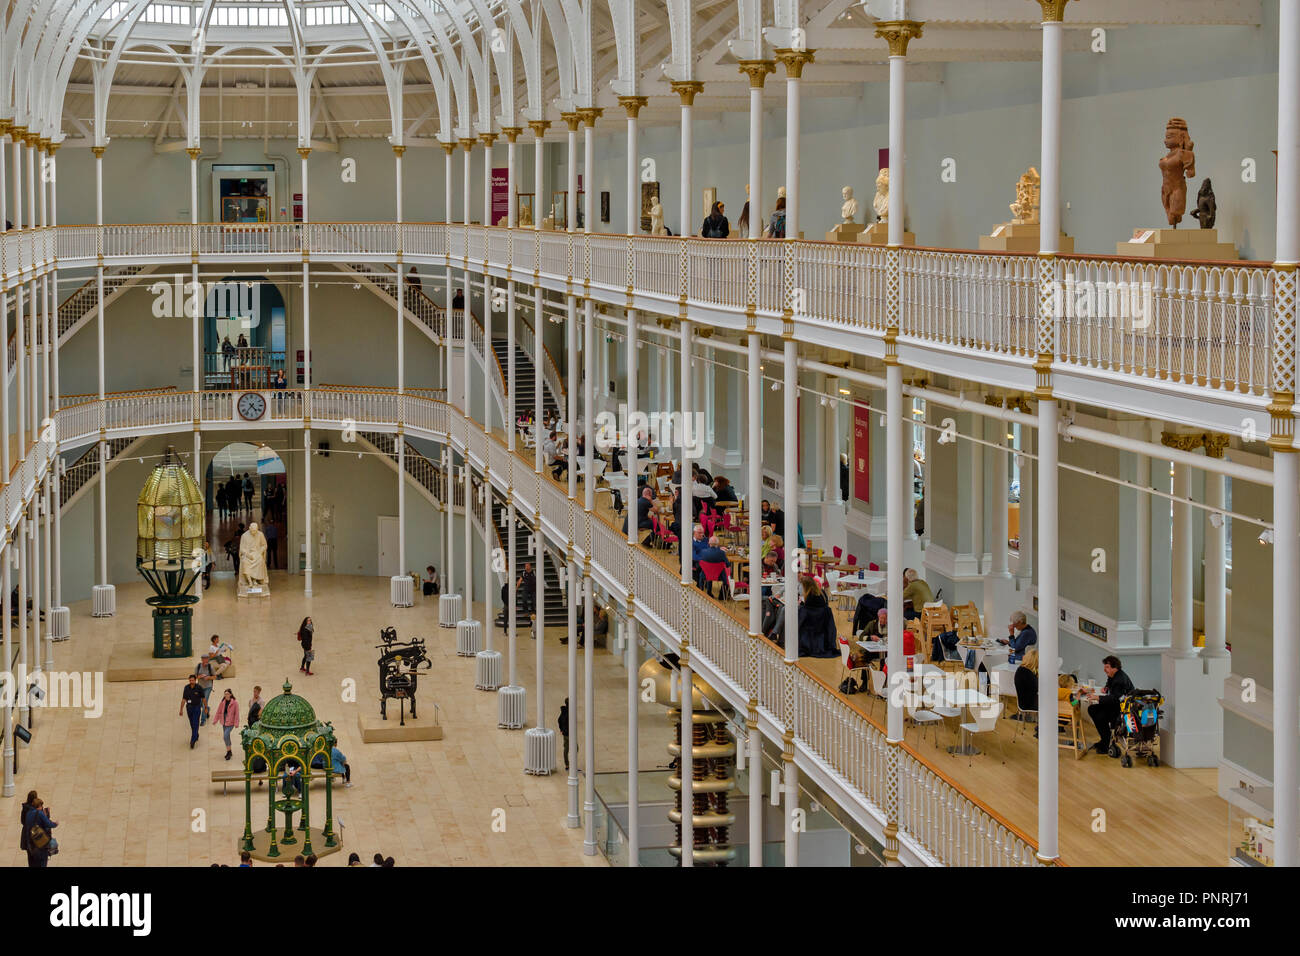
(713,554)
(553,456)
(644,505)
(876,630)
(817,632)
(698,544)
(1105,708)
(765,532)
(1020,636)
(1026,684)
(778,548)
(773,516)
(642,445)
(869,606)
(723,490)
(916,590)
(770,568)
(675,515)
(773,618)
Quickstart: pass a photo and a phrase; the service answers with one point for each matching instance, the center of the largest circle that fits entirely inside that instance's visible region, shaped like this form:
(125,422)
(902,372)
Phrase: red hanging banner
(861,452)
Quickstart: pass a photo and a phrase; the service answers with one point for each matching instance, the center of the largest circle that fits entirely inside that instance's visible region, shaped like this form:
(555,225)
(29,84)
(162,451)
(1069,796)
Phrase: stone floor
(127,790)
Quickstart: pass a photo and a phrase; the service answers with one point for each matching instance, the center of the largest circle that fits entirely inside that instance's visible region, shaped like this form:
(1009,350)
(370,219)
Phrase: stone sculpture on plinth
(657,218)
(1207,209)
(848,230)
(253,578)
(1175,169)
(877,234)
(1022,233)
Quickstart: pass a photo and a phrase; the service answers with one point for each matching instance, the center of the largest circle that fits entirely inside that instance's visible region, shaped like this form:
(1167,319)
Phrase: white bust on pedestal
(849,229)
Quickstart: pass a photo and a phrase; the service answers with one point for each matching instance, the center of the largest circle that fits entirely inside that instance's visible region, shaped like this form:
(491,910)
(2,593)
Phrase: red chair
(663,535)
(837,551)
(713,572)
(853,559)
(873,566)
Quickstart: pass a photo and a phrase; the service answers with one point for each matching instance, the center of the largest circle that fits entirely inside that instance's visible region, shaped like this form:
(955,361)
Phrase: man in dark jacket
(1106,708)
(36,816)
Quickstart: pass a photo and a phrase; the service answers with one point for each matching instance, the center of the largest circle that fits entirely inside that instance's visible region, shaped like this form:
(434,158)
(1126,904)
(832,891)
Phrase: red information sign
(500,193)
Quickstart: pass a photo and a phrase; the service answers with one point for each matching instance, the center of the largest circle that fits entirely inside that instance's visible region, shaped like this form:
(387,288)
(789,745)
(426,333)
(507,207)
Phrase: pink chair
(713,572)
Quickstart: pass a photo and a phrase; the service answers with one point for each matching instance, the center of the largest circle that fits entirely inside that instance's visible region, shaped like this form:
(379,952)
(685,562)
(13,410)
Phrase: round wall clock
(252,406)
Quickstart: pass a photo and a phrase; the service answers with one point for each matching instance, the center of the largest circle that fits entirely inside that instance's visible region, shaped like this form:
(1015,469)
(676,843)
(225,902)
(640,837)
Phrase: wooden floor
(1149,816)
(127,790)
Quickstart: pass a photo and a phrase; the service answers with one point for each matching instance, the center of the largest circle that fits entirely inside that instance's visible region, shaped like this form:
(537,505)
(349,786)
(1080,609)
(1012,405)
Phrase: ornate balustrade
(1202,325)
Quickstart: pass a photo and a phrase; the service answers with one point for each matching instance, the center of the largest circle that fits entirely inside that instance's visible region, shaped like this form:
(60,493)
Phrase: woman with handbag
(38,828)
(305,634)
(227,717)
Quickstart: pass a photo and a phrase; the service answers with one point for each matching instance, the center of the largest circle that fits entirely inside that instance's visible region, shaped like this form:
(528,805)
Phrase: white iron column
(308,548)
(61,617)
(588,582)
(633,105)
(1216,572)
(466,478)
(998,532)
(571,191)
(1180,589)
(467,171)
(794,58)
(1141,545)
(757,71)
(512,181)
(898,34)
(489,542)
(24,567)
(105,599)
(6,629)
(1048,418)
(753,497)
(1286,466)
(488,140)
(574,569)
(512,688)
(632,653)
(687,91)
(685,538)
(589,117)
(794,564)
(539,538)
(539,128)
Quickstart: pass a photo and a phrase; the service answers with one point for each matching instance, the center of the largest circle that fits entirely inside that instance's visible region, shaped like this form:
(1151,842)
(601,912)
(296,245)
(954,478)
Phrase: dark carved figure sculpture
(1175,169)
(1207,210)
(398,666)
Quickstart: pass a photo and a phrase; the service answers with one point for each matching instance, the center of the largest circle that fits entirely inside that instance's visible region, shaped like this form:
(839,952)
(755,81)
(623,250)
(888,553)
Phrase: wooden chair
(966,621)
(1069,728)
(936,619)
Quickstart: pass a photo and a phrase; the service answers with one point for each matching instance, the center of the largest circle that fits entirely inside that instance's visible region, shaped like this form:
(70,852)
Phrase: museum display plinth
(1022,237)
(254,592)
(375,730)
(877,234)
(127,662)
(1193,244)
(846,232)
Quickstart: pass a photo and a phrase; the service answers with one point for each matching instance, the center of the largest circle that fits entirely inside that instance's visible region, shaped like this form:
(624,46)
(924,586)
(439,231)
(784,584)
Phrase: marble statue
(657,218)
(1178,166)
(881,203)
(252,560)
(1025,209)
(1207,209)
(849,211)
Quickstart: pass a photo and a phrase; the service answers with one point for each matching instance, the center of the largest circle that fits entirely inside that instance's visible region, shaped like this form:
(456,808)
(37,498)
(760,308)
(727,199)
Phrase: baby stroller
(1137,729)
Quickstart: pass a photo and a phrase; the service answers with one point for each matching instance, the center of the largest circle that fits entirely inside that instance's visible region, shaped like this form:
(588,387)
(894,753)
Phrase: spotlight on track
(1216,519)
(1266,536)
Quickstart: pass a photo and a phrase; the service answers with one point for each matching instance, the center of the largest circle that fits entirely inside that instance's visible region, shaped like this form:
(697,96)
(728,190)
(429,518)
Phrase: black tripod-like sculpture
(398,666)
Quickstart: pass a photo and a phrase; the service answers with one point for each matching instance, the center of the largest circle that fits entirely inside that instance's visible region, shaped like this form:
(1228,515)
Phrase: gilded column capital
(468,143)
(447,148)
(1053,10)
(794,61)
(898,33)
(98,151)
(193,152)
(589,115)
(488,139)
(687,90)
(571,120)
(43,144)
(1214,444)
(16,133)
(757,71)
(511,133)
(53,148)
(633,104)
(539,127)
(30,139)
(5,125)
(398,150)
(305,151)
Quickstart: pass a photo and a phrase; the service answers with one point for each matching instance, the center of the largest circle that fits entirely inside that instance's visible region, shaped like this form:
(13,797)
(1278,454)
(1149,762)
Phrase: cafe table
(968,697)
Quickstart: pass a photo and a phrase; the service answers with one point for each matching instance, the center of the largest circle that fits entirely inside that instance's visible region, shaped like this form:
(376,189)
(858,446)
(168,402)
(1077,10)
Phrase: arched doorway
(246,482)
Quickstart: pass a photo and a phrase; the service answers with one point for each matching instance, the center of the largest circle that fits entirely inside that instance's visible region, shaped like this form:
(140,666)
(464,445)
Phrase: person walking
(227,717)
(306,633)
(562,722)
(716,225)
(272,542)
(22,819)
(255,706)
(248,493)
(39,834)
(192,707)
(205,673)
